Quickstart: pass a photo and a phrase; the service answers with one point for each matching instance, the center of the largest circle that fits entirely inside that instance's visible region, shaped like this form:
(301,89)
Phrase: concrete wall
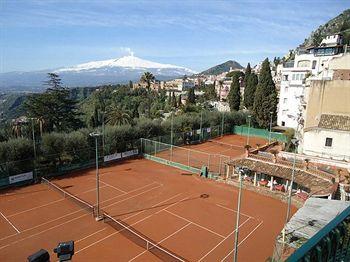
(327,97)
(314,144)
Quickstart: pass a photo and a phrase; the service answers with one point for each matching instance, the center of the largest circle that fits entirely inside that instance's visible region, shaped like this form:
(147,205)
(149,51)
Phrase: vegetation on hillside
(339,24)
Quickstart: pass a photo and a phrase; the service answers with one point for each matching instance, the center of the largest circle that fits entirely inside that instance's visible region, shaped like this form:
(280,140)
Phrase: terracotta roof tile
(335,122)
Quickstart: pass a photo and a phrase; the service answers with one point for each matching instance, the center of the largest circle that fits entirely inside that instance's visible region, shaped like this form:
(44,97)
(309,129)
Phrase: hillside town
(176,154)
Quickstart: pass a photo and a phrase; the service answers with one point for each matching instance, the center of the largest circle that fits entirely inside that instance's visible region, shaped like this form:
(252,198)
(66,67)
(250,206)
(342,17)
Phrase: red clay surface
(156,200)
(212,154)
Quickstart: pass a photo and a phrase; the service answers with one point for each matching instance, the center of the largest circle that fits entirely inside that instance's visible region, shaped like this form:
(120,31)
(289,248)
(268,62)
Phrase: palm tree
(147,78)
(117,116)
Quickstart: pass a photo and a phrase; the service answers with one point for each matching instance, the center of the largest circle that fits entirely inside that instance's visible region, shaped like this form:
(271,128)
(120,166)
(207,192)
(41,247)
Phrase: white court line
(194,223)
(43,231)
(98,241)
(132,196)
(243,240)
(15,228)
(80,210)
(151,206)
(223,240)
(116,188)
(77,241)
(47,204)
(157,244)
(230,209)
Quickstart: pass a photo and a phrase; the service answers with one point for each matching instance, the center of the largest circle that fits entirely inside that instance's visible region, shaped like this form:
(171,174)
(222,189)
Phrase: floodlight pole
(96,135)
(295,143)
(222,124)
(33,136)
(201,124)
(235,254)
(172,127)
(270,127)
(249,117)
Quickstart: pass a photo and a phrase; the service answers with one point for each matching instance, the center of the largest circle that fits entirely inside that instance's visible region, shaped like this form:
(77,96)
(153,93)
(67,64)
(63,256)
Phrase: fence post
(208,161)
(188,157)
(171,153)
(155,148)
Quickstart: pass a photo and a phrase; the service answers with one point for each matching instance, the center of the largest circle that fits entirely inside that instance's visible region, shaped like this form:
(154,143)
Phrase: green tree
(234,96)
(248,71)
(191,97)
(147,78)
(174,102)
(249,90)
(117,116)
(54,106)
(210,92)
(265,100)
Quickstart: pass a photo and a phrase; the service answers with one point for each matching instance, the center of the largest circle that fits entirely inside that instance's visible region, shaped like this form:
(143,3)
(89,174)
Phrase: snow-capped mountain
(94,73)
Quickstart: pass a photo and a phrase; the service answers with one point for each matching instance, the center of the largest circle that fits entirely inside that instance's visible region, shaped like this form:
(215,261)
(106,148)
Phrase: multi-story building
(308,62)
(326,131)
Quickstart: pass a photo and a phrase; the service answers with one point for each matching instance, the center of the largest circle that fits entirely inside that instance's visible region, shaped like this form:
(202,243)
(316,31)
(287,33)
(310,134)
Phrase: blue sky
(197,34)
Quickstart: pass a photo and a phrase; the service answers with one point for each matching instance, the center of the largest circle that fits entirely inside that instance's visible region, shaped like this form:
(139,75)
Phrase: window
(314,64)
(283,123)
(285,77)
(284,100)
(304,63)
(328,141)
(286,89)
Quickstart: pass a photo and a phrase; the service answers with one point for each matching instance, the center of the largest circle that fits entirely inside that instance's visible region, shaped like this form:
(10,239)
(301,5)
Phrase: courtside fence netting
(190,158)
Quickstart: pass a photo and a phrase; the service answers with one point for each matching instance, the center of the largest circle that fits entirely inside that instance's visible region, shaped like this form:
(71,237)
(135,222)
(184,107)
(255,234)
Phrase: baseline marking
(15,228)
(243,240)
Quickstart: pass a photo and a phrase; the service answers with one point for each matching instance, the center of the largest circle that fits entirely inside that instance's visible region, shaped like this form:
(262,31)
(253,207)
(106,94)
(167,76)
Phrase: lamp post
(33,137)
(222,124)
(235,254)
(96,136)
(249,118)
(200,127)
(172,128)
(295,143)
(270,127)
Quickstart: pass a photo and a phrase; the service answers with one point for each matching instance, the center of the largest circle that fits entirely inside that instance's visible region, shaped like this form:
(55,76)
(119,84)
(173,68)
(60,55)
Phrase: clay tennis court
(192,218)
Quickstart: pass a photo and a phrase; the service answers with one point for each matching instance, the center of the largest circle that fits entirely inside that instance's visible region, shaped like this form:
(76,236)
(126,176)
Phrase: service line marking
(194,223)
(223,240)
(243,240)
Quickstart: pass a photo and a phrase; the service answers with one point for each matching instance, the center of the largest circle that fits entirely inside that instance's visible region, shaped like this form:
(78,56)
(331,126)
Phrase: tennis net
(141,240)
(226,145)
(81,203)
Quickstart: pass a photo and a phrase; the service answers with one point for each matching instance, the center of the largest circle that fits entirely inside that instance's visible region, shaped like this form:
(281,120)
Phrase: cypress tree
(265,100)
(248,72)
(249,90)
(234,96)
(191,98)
(174,102)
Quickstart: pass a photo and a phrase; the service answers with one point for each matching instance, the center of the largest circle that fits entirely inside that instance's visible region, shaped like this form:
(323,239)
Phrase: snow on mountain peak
(129,61)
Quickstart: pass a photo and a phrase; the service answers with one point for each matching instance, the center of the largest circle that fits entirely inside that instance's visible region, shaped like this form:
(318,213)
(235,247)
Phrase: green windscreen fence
(263,133)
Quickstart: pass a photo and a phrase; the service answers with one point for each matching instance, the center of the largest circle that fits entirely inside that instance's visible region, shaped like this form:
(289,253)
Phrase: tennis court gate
(184,158)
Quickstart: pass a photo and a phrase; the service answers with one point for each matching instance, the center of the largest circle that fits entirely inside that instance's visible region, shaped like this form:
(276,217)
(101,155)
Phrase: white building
(311,62)
(330,138)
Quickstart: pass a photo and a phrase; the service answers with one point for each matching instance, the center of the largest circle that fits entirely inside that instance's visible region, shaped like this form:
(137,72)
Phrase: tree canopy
(265,100)
(234,96)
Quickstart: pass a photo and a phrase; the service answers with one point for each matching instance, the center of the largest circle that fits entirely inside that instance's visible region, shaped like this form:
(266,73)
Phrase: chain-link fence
(192,159)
